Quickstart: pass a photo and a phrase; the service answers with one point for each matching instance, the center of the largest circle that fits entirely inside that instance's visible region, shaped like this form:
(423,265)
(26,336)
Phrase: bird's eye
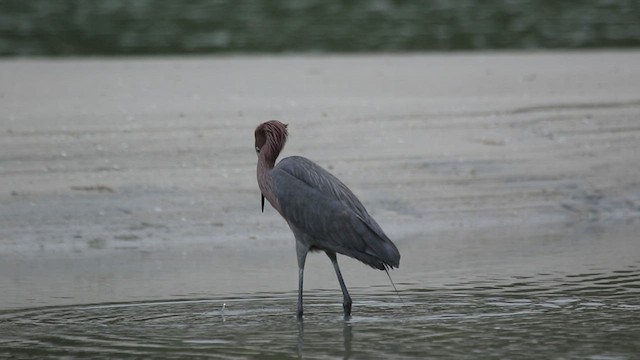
(257,149)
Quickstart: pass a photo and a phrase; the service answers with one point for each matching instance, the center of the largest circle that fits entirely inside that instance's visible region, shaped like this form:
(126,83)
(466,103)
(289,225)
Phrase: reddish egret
(322,212)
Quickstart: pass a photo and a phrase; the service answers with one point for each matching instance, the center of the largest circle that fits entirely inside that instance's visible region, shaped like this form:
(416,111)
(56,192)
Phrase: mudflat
(129,179)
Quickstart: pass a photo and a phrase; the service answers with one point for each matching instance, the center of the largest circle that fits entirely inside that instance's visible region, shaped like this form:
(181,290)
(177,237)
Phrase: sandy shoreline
(117,149)
(150,155)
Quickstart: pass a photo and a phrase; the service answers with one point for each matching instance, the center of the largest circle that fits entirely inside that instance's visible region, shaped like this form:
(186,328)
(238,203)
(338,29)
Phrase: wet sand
(134,179)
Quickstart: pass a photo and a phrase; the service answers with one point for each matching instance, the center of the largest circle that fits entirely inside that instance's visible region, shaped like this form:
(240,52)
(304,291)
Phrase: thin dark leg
(300,280)
(302,256)
(346,303)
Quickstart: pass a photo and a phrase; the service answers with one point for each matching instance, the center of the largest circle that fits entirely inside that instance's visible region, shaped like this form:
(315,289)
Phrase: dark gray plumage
(322,212)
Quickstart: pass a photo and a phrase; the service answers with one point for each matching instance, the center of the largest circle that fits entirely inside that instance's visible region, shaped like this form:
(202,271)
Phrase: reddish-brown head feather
(270,139)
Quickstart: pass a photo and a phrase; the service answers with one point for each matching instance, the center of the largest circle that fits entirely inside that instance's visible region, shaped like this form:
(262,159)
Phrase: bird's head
(270,139)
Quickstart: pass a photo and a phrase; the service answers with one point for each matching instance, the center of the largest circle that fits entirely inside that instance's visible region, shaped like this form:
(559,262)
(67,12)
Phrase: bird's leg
(346,304)
(300,278)
(301,250)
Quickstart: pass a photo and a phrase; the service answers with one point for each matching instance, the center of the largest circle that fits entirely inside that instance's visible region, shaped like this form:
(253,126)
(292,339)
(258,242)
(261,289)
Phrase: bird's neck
(265,164)
(267,157)
(264,182)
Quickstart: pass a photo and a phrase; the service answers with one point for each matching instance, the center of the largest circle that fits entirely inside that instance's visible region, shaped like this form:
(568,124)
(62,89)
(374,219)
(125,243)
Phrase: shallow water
(593,315)
(568,294)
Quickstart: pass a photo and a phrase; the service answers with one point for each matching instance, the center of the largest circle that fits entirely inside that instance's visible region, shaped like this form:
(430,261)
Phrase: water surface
(90,27)
(578,297)
(597,317)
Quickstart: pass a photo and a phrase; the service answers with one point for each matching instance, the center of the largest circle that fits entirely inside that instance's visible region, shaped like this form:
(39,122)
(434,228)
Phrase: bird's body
(322,212)
(305,191)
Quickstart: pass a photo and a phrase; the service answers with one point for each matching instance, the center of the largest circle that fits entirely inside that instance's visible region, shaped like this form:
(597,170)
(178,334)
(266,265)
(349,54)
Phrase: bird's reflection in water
(347,336)
(300,348)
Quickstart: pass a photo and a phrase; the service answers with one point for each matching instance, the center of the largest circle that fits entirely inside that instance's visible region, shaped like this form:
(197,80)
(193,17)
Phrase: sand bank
(104,156)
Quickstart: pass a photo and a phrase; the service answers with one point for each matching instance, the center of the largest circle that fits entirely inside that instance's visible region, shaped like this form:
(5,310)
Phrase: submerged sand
(114,167)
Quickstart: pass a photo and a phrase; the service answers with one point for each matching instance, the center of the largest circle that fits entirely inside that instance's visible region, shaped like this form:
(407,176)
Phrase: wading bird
(322,212)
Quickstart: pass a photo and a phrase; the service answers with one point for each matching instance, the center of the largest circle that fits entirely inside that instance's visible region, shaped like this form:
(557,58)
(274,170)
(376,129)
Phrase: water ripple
(575,315)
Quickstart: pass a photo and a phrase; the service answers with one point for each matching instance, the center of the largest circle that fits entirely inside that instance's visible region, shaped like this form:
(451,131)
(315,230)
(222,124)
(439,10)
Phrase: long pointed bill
(262,198)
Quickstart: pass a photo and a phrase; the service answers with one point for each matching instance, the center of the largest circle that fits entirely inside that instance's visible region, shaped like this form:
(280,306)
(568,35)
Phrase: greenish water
(107,27)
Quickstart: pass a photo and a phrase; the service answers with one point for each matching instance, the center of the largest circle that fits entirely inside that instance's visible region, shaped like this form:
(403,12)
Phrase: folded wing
(328,213)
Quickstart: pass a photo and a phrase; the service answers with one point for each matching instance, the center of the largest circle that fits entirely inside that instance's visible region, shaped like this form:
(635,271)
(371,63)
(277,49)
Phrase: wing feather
(328,213)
